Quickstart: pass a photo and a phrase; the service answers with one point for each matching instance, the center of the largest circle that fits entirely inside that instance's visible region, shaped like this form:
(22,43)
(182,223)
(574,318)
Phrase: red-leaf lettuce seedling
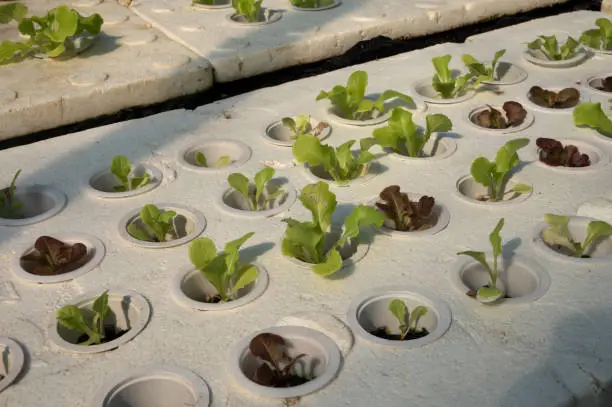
(122,169)
(159,226)
(591,115)
(446,84)
(52,257)
(557,235)
(403,136)
(407,322)
(201,160)
(407,216)
(568,97)
(300,125)
(489,292)
(53,34)
(599,38)
(480,70)
(276,368)
(305,241)
(93,330)
(340,163)
(255,193)
(351,102)
(250,9)
(513,115)
(493,174)
(222,270)
(550,48)
(552,152)
(9,206)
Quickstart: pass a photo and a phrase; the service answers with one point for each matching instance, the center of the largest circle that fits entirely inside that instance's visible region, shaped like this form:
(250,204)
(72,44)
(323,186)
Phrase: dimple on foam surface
(554,352)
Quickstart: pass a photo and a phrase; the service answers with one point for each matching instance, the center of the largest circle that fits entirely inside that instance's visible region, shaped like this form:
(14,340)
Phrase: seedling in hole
(201,160)
(513,115)
(448,86)
(208,2)
(122,169)
(599,38)
(159,226)
(493,174)
(407,216)
(558,235)
(404,136)
(300,125)
(592,115)
(490,292)
(222,270)
(340,163)
(553,153)
(54,34)
(255,193)
(277,368)
(605,84)
(480,70)
(407,328)
(312,3)
(250,9)
(52,257)
(9,206)
(563,99)
(351,103)
(549,46)
(71,317)
(305,241)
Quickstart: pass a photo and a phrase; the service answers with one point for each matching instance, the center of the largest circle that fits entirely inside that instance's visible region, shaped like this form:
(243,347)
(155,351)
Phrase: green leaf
(496,243)
(139,182)
(232,249)
(138,233)
(488,294)
(121,168)
(595,230)
(521,188)
(591,115)
(605,28)
(331,264)
(479,257)
(345,158)
(361,216)
(303,241)
(592,38)
(202,251)
(474,65)
(12,12)
(436,123)
(92,24)
(496,58)
(71,317)
(245,276)
(158,222)
(100,305)
(241,184)
(398,309)
(482,171)
(506,157)
(387,137)
(166,216)
(63,23)
(569,48)
(289,123)
(200,159)
(261,178)
(391,94)
(417,313)
(215,273)
(356,86)
(223,161)
(441,65)
(321,203)
(308,149)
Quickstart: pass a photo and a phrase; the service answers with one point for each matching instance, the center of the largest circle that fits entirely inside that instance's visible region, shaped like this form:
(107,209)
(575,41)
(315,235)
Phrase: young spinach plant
(256,193)
(549,46)
(480,70)
(250,9)
(592,115)
(399,310)
(407,216)
(71,317)
(122,169)
(51,257)
(489,292)
(351,103)
(9,206)
(223,270)
(599,38)
(158,226)
(306,241)
(404,136)
(276,368)
(202,161)
(446,84)
(340,163)
(558,234)
(57,33)
(493,174)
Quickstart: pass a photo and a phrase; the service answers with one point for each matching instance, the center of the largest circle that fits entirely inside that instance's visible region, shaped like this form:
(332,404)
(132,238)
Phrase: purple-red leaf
(51,256)
(568,97)
(407,215)
(515,113)
(553,153)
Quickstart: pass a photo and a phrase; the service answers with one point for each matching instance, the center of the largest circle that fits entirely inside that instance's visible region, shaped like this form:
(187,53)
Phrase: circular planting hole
(38,203)
(424,89)
(371,319)
(129,314)
(601,84)
(103,183)
(473,192)
(352,252)
(266,16)
(537,57)
(277,133)
(235,203)
(321,5)
(155,386)
(12,361)
(192,290)
(439,219)
(313,371)
(597,157)
(218,155)
(211,4)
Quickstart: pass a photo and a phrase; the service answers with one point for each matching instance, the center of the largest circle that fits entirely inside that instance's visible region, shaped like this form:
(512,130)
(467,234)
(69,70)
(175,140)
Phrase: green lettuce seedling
(445,84)
(255,193)
(490,292)
(299,125)
(493,174)
(480,70)
(305,240)
(158,225)
(598,38)
(9,206)
(54,34)
(558,233)
(201,160)
(250,9)
(71,317)
(403,136)
(592,115)
(223,270)
(350,101)
(549,46)
(340,163)
(122,169)
(400,311)
(312,3)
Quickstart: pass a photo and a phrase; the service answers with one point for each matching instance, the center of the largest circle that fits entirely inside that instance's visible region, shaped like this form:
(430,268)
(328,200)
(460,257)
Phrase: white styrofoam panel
(554,352)
(300,37)
(133,64)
